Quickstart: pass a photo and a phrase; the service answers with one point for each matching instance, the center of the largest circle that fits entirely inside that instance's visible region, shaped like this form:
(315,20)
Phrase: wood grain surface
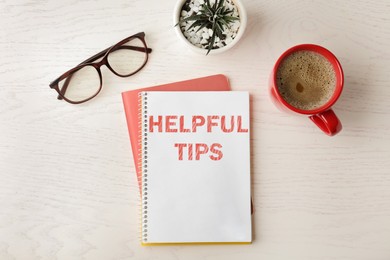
(67,183)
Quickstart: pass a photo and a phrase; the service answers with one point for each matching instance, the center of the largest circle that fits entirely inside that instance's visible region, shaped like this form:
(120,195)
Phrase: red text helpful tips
(209,124)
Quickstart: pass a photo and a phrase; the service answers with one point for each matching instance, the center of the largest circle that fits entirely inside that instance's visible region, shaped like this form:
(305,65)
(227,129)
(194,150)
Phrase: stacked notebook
(190,143)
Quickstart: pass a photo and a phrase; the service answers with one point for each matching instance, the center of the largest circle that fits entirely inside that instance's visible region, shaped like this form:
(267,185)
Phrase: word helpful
(176,124)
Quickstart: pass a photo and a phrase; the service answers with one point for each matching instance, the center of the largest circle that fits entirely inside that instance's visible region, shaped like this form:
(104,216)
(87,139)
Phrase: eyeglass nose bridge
(101,63)
(104,62)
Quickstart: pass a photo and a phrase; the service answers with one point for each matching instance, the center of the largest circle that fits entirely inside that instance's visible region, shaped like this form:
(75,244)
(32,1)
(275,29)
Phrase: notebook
(195,167)
(130,101)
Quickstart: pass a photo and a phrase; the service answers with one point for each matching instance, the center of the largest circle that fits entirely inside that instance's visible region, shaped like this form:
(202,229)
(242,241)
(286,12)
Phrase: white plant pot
(179,33)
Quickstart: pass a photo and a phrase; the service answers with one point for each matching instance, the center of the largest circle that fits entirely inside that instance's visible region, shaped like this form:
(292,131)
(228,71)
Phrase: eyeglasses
(84,82)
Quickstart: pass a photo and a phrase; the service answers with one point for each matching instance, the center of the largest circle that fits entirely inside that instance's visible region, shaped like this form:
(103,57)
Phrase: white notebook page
(190,197)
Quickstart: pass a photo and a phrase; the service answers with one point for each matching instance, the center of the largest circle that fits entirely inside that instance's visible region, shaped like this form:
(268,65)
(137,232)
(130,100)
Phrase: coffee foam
(306,80)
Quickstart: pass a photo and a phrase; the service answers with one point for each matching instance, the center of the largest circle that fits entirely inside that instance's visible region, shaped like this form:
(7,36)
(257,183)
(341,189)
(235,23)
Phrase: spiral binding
(142,163)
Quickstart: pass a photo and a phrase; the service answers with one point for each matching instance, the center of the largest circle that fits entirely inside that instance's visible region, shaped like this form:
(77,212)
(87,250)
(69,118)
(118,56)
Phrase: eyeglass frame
(90,62)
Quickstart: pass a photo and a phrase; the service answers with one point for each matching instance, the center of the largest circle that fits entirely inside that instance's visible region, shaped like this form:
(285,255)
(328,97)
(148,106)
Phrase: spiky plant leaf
(201,27)
(227,12)
(219,30)
(215,4)
(192,18)
(208,4)
(211,44)
(208,12)
(198,23)
(224,23)
(231,18)
(220,3)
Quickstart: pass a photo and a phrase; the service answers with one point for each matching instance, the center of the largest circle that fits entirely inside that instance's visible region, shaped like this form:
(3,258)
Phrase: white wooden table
(67,182)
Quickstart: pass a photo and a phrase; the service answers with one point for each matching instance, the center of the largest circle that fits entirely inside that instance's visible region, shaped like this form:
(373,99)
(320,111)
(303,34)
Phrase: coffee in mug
(306,80)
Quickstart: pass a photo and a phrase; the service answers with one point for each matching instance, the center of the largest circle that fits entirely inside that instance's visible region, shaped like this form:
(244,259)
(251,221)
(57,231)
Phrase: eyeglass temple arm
(103,52)
(97,56)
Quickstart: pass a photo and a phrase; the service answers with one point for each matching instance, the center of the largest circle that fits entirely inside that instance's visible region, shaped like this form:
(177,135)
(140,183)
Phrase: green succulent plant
(216,17)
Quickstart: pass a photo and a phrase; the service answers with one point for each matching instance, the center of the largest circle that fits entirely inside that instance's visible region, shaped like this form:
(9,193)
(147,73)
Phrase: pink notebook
(130,101)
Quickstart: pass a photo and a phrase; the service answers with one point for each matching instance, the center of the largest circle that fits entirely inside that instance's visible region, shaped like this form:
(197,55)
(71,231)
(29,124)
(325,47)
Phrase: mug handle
(327,121)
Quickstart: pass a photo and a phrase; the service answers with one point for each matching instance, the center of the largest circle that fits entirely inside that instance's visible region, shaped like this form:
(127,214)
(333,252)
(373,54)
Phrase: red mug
(323,117)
